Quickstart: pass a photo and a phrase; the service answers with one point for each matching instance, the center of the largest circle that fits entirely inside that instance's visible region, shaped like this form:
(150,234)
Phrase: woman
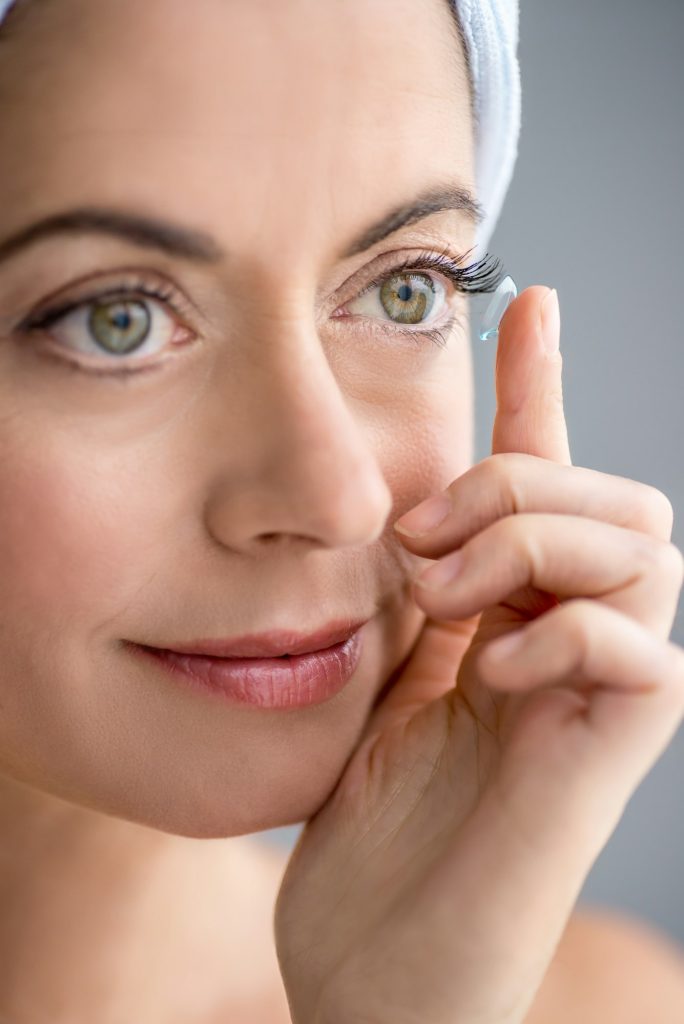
(236,243)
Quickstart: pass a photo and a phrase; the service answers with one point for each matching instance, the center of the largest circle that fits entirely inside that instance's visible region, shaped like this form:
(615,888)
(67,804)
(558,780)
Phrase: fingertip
(527,324)
(515,367)
(524,310)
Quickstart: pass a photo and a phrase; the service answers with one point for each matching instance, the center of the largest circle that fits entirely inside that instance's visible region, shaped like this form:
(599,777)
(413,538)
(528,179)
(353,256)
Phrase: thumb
(426,674)
(529,391)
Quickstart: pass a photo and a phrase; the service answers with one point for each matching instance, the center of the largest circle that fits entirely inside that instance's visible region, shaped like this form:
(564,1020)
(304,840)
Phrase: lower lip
(293,682)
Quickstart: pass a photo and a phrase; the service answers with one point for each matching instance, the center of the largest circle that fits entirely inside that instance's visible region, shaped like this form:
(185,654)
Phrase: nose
(301,458)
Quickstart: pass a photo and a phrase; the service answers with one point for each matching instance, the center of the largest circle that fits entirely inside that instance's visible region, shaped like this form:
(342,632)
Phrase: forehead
(301,115)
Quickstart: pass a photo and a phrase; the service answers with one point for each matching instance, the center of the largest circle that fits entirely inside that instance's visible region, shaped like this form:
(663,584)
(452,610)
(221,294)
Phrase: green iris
(119,326)
(407,297)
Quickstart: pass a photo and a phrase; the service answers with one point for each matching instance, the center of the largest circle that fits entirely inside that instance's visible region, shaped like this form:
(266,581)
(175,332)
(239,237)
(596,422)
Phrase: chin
(229,815)
(225,803)
(162,759)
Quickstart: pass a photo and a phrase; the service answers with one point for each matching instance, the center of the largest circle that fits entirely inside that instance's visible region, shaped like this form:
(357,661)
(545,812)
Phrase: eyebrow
(433,200)
(146,232)
(188,243)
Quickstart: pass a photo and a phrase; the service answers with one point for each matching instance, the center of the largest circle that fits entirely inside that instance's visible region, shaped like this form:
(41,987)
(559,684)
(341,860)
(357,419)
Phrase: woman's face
(247,479)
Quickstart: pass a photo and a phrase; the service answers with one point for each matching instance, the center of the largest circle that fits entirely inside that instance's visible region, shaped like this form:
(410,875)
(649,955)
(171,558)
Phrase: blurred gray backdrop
(595,210)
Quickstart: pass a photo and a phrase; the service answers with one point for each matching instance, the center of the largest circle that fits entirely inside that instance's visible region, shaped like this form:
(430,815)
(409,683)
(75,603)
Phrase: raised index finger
(529,414)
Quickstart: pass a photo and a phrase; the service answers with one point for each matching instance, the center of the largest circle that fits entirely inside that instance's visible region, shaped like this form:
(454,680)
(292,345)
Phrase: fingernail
(445,571)
(550,321)
(424,517)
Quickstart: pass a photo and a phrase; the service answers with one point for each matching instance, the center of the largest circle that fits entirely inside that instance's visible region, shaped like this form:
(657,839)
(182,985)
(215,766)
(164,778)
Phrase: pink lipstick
(279,669)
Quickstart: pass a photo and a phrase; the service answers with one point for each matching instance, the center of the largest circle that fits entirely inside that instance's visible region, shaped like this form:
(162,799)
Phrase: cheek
(82,526)
(85,527)
(72,533)
(431,437)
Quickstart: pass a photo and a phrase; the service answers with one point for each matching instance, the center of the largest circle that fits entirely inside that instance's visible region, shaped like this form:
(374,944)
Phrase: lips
(266,683)
(273,644)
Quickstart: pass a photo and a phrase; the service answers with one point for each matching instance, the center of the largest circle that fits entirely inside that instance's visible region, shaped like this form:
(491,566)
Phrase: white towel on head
(490,29)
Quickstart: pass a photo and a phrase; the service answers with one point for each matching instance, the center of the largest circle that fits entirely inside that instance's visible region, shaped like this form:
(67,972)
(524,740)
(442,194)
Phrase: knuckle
(502,462)
(657,510)
(488,473)
(662,557)
(501,484)
(677,559)
(521,544)
(514,490)
(669,560)
(579,616)
(503,472)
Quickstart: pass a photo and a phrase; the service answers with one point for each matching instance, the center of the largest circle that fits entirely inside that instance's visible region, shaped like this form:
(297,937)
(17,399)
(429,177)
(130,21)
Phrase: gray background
(595,210)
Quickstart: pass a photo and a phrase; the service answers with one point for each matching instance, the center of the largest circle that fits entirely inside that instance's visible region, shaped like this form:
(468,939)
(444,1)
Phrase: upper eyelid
(60,310)
(422,258)
(412,270)
(54,306)
(390,260)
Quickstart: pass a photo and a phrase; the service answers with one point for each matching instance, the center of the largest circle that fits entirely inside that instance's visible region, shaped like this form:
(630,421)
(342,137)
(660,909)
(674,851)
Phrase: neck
(96,912)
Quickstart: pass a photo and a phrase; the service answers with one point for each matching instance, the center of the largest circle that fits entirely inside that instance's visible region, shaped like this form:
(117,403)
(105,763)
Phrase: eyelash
(483,275)
(131,289)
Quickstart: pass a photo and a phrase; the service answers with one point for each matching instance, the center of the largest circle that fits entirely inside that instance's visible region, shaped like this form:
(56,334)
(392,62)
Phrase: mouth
(280,643)
(279,670)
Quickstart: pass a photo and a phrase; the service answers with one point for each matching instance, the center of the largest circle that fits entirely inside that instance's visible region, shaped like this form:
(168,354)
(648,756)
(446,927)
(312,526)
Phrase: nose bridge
(312,469)
(312,420)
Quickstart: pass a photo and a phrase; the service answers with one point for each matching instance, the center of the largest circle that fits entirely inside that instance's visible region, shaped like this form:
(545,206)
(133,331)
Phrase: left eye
(115,327)
(406,298)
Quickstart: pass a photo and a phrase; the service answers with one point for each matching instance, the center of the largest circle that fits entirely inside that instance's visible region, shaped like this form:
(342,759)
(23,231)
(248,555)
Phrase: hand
(435,883)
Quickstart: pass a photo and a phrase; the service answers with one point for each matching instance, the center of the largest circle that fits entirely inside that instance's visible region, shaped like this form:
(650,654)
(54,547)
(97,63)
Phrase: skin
(128,521)
(472,813)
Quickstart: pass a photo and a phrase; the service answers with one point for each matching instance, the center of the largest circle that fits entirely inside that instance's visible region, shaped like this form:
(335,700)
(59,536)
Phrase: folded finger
(631,681)
(512,482)
(566,556)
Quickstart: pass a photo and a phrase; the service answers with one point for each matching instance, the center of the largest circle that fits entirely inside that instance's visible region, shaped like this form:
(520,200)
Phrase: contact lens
(501,299)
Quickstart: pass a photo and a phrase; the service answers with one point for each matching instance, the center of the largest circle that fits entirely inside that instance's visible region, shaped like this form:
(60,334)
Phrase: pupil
(404,292)
(120,326)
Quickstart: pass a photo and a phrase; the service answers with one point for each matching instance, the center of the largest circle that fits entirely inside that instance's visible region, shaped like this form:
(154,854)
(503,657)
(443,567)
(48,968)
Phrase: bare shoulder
(611,968)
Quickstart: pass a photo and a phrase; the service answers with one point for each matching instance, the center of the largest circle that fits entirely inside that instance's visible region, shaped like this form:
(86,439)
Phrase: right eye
(113,326)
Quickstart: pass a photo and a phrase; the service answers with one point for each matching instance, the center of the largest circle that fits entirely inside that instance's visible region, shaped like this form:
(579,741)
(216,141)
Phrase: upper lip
(272,644)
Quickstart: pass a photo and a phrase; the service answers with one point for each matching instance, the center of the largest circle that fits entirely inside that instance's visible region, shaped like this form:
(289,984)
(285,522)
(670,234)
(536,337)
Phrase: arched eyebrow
(433,200)
(146,232)
(188,243)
